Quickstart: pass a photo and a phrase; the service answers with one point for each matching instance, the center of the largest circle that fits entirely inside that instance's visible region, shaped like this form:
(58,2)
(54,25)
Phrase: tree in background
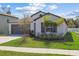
(71,23)
(5,10)
(77,22)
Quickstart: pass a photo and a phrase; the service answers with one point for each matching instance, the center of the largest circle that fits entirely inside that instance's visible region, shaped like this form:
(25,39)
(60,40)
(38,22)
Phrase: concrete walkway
(4,39)
(41,50)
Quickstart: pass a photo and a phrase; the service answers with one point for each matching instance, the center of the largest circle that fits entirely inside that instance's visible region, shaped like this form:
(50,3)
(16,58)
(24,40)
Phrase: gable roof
(47,14)
(37,13)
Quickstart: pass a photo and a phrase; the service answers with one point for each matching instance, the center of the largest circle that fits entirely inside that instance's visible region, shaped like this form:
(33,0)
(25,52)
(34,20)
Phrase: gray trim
(35,28)
(47,14)
(37,13)
(9,15)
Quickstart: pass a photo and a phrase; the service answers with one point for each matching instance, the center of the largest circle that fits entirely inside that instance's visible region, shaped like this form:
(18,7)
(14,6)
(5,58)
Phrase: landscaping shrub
(68,37)
(42,36)
(50,37)
(56,37)
(71,36)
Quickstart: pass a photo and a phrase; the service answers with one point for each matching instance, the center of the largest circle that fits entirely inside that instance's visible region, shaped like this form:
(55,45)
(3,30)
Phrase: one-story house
(38,27)
(9,24)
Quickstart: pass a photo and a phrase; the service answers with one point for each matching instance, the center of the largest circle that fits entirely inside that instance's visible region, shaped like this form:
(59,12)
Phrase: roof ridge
(37,13)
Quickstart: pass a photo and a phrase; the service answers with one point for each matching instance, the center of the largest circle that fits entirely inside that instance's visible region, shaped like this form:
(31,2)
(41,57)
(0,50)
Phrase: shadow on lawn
(48,41)
(46,44)
(68,44)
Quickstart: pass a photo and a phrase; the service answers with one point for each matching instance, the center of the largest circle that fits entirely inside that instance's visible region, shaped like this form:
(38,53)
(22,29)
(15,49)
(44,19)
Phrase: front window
(51,29)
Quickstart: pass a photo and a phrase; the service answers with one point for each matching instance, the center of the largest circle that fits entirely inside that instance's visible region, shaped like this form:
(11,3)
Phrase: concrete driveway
(4,39)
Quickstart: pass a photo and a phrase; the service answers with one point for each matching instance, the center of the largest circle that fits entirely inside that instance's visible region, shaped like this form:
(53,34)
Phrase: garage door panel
(16,29)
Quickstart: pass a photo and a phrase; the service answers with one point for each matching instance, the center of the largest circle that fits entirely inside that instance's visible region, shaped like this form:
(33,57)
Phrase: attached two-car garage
(15,29)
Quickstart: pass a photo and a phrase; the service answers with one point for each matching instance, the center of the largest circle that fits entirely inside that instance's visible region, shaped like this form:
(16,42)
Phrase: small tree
(48,22)
(24,24)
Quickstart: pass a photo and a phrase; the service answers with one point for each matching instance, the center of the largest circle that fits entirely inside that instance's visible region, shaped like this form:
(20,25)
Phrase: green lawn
(41,44)
(12,53)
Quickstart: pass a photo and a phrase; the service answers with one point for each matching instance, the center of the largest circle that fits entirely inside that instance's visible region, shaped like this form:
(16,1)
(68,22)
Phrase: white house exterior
(9,24)
(37,20)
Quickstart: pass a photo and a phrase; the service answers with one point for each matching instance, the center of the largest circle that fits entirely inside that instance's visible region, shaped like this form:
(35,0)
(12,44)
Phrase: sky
(67,10)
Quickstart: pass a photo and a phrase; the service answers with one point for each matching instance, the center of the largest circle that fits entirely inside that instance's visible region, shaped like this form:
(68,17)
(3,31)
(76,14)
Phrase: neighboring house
(38,28)
(6,22)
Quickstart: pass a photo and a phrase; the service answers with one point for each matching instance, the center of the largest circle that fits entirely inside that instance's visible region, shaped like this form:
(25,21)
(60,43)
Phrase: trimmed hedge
(49,37)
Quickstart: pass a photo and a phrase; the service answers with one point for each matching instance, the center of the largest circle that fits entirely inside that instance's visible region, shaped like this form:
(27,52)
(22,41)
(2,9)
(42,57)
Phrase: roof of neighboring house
(26,19)
(14,21)
(8,15)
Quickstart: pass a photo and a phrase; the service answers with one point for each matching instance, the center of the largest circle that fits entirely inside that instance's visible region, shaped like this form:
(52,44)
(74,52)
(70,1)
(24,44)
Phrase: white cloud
(8,5)
(0,6)
(52,7)
(32,7)
(37,4)
(70,14)
(20,8)
(74,12)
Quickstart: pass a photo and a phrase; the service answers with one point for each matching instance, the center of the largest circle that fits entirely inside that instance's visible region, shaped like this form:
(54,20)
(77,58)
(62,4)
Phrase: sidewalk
(41,50)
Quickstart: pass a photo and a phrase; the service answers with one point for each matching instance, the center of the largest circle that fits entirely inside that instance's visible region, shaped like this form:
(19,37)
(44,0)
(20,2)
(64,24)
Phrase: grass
(70,45)
(12,53)
(72,36)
